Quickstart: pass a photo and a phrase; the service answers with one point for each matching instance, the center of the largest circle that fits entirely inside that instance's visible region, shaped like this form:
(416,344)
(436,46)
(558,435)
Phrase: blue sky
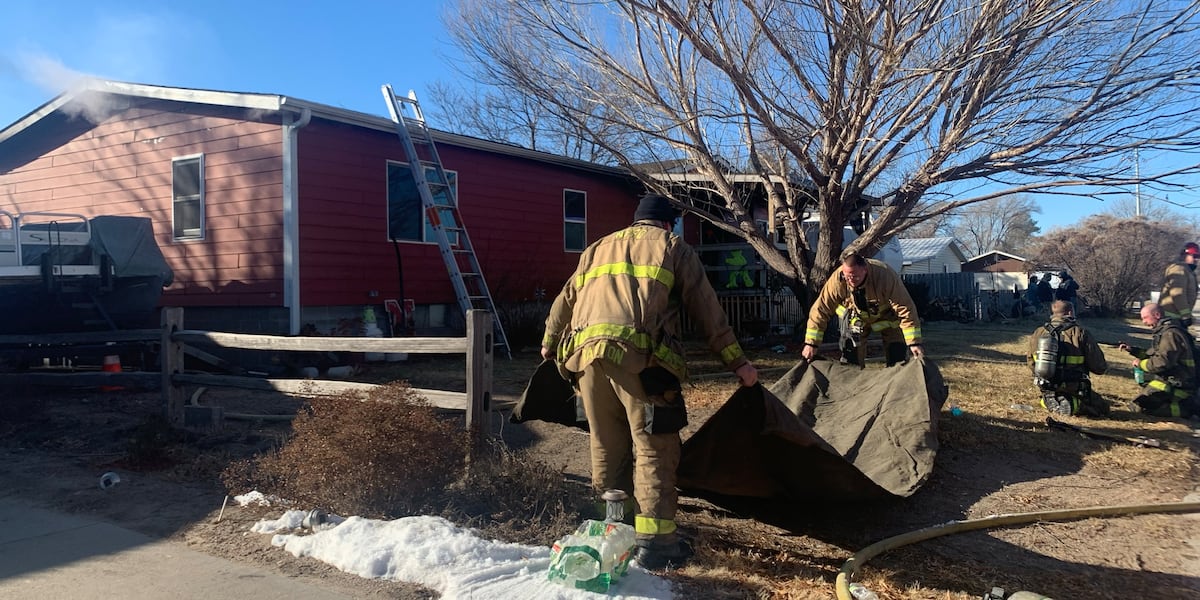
(332,53)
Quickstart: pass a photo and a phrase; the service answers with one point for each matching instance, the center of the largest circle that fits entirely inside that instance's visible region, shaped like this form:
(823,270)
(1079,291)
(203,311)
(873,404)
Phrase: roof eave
(275,102)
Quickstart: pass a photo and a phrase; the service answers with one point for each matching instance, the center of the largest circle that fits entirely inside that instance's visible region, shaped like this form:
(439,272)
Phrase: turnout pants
(1165,403)
(625,454)
(894,348)
(1084,401)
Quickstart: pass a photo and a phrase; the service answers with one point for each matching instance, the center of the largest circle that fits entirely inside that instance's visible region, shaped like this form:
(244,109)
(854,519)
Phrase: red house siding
(511,203)
(512,209)
(122,166)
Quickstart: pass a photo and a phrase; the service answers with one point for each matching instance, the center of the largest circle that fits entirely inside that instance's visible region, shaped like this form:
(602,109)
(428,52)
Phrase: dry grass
(995,457)
(984,365)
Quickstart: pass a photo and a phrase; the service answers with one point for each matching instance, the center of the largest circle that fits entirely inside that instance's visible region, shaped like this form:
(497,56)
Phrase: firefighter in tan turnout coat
(615,328)
(867,296)
(1178,294)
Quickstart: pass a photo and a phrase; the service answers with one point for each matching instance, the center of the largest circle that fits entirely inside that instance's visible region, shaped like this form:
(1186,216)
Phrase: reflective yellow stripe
(731,353)
(1163,386)
(669,358)
(881,325)
(651,526)
(672,361)
(841,310)
(813,336)
(1073,360)
(656,273)
(911,334)
(1175,409)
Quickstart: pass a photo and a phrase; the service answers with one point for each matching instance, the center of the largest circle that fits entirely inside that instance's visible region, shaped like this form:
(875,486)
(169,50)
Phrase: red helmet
(1191,248)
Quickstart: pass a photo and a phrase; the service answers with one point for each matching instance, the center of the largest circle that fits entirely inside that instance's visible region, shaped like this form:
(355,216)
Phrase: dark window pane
(574,235)
(187,219)
(404,205)
(186,177)
(574,204)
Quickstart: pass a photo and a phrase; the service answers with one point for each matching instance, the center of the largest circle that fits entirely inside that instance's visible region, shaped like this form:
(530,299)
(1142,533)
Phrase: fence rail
(175,342)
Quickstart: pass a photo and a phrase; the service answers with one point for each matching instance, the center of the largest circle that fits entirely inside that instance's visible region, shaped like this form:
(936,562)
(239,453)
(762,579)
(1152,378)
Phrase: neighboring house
(996,261)
(996,270)
(931,255)
(276,212)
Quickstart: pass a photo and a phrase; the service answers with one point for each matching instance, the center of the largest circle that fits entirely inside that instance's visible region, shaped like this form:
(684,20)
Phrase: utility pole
(1137,184)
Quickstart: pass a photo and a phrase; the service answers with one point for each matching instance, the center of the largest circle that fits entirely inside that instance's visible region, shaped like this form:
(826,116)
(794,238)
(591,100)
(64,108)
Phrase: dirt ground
(54,446)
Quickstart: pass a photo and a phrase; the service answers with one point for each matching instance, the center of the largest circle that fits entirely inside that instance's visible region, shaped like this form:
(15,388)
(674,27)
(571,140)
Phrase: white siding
(944,262)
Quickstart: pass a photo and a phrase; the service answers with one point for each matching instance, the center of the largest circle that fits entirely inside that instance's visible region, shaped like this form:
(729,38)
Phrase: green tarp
(824,431)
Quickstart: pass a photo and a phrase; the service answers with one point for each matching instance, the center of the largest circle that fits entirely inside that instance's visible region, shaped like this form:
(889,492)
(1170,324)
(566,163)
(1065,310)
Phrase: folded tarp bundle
(824,431)
(548,397)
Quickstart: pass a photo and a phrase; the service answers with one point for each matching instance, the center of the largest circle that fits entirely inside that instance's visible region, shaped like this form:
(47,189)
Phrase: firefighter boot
(665,551)
(1056,404)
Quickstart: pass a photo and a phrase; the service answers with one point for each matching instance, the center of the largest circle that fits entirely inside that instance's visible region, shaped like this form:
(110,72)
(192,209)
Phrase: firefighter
(1067,390)
(1170,367)
(1178,294)
(615,330)
(867,296)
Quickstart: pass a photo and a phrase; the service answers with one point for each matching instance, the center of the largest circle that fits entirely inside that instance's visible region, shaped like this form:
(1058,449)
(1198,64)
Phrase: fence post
(172,363)
(479,371)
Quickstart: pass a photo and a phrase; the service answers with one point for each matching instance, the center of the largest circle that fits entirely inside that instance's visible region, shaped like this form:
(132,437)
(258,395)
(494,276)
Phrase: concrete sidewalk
(46,555)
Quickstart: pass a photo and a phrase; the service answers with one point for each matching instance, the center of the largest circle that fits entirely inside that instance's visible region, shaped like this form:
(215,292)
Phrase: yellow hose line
(851,566)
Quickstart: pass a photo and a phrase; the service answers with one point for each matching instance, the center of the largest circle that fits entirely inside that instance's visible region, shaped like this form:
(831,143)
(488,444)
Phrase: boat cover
(129,242)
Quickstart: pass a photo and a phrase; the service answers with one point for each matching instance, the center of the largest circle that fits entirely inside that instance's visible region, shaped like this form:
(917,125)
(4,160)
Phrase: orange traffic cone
(112,364)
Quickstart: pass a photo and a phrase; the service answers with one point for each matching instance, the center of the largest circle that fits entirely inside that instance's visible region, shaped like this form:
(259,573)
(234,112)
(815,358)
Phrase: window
(187,197)
(574,220)
(406,220)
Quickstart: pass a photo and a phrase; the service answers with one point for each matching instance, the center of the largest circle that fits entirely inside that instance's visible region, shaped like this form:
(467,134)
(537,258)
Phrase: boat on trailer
(69,272)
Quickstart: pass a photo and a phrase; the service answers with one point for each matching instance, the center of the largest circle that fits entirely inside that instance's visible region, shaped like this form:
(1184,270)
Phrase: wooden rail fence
(176,341)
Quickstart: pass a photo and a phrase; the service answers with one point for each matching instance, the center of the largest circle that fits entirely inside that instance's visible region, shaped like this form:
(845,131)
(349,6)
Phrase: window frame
(202,229)
(569,220)
(426,228)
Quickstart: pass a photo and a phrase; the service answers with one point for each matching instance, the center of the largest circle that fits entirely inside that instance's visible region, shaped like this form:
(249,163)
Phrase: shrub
(387,456)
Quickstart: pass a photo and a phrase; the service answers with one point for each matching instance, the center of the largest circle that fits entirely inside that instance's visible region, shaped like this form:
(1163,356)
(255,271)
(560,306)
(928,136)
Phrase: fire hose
(842,585)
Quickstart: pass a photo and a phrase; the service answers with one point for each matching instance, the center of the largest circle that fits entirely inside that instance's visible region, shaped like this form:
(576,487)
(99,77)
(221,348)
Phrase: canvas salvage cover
(823,431)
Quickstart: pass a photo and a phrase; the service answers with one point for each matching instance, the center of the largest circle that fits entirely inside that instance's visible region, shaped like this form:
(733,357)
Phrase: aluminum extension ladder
(459,255)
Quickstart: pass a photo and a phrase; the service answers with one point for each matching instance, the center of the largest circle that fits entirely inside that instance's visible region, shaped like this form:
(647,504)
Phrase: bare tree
(1004,223)
(488,112)
(1115,261)
(1152,208)
(927,105)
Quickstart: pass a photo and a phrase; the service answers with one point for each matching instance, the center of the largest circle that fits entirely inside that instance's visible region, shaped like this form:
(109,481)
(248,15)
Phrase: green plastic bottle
(1139,376)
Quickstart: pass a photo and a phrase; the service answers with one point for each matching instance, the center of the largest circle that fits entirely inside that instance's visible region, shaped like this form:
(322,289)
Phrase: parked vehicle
(68,272)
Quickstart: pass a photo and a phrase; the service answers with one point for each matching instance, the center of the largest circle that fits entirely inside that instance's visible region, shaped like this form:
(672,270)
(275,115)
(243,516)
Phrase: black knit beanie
(655,207)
